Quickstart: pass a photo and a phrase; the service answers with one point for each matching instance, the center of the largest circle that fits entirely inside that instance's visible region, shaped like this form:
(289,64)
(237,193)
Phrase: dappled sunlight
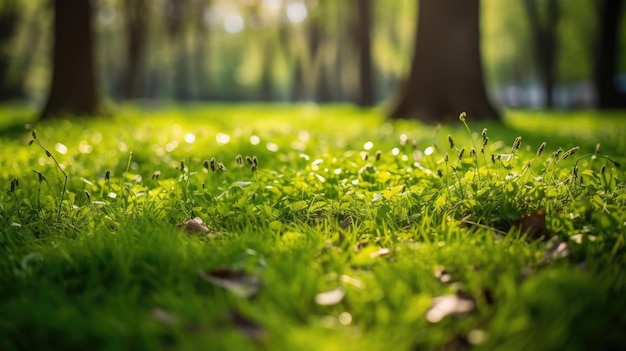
(312,175)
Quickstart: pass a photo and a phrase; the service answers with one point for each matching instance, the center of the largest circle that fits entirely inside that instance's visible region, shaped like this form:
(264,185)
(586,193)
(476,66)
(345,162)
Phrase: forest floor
(276,227)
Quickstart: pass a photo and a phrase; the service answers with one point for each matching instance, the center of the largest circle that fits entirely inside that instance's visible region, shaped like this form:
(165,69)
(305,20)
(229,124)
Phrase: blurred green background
(301,50)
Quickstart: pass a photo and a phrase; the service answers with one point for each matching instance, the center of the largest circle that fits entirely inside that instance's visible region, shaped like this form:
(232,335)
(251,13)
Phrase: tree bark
(73,90)
(607,56)
(266,87)
(10,86)
(177,27)
(446,72)
(363,39)
(316,51)
(136,28)
(544,36)
(202,82)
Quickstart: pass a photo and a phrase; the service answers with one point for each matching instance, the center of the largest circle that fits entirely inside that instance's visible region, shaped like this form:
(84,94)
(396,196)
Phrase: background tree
(606,63)
(136,29)
(73,90)
(177,22)
(446,72)
(363,40)
(545,43)
(9,16)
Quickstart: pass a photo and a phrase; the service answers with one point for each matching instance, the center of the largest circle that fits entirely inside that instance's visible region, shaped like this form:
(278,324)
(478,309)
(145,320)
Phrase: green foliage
(353,230)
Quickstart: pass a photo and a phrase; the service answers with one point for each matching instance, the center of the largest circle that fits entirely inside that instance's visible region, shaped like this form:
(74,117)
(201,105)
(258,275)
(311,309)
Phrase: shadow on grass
(567,129)
(14,117)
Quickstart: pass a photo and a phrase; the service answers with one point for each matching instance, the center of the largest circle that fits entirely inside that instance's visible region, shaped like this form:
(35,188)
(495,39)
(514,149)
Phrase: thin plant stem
(50,155)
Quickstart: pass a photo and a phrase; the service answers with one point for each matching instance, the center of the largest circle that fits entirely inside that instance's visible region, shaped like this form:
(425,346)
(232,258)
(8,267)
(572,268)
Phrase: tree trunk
(316,49)
(298,88)
(544,36)
(177,28)
(266,86)
(201,79)
(73,90)
(363,40)
(10,86)
(607,56)
(446,72)
(136,28)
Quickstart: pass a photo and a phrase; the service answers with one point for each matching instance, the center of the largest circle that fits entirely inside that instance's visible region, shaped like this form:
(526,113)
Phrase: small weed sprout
(570,152)
(49,154)
(462,118)
(516,144)
(255,164)
(15,183)
(41,178)
(88,197)
(445,160)
(239,161)
(541,148)
(121,185)
(107,181)
(212,164)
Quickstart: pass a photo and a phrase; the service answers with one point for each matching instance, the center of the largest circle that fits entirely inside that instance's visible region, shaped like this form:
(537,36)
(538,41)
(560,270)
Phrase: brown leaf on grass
(449,305)
(194,226)
(249,327)
(331,297)
(532,224)
(234,280)
(457,343)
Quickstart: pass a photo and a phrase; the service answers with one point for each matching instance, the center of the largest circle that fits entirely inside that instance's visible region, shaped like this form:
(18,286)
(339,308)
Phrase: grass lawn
(334,229)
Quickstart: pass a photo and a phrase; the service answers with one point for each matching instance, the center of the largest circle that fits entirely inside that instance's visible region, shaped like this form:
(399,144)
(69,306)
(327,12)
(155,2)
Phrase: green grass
(105,265)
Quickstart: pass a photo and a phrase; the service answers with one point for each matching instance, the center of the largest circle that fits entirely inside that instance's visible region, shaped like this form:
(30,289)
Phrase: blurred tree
(9,15)
(201,56)
(73,90)
(317,51)
(177,20)
(446,72)
(606,63)
(135,15)
(364,44)
(544,39)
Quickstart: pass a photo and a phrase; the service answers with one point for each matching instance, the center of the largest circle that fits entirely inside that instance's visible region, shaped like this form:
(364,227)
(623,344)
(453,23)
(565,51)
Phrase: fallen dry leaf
(251,328)
(194,226)
(331,297)
(457,343)
(234,280)
(532,224)
(449,305)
